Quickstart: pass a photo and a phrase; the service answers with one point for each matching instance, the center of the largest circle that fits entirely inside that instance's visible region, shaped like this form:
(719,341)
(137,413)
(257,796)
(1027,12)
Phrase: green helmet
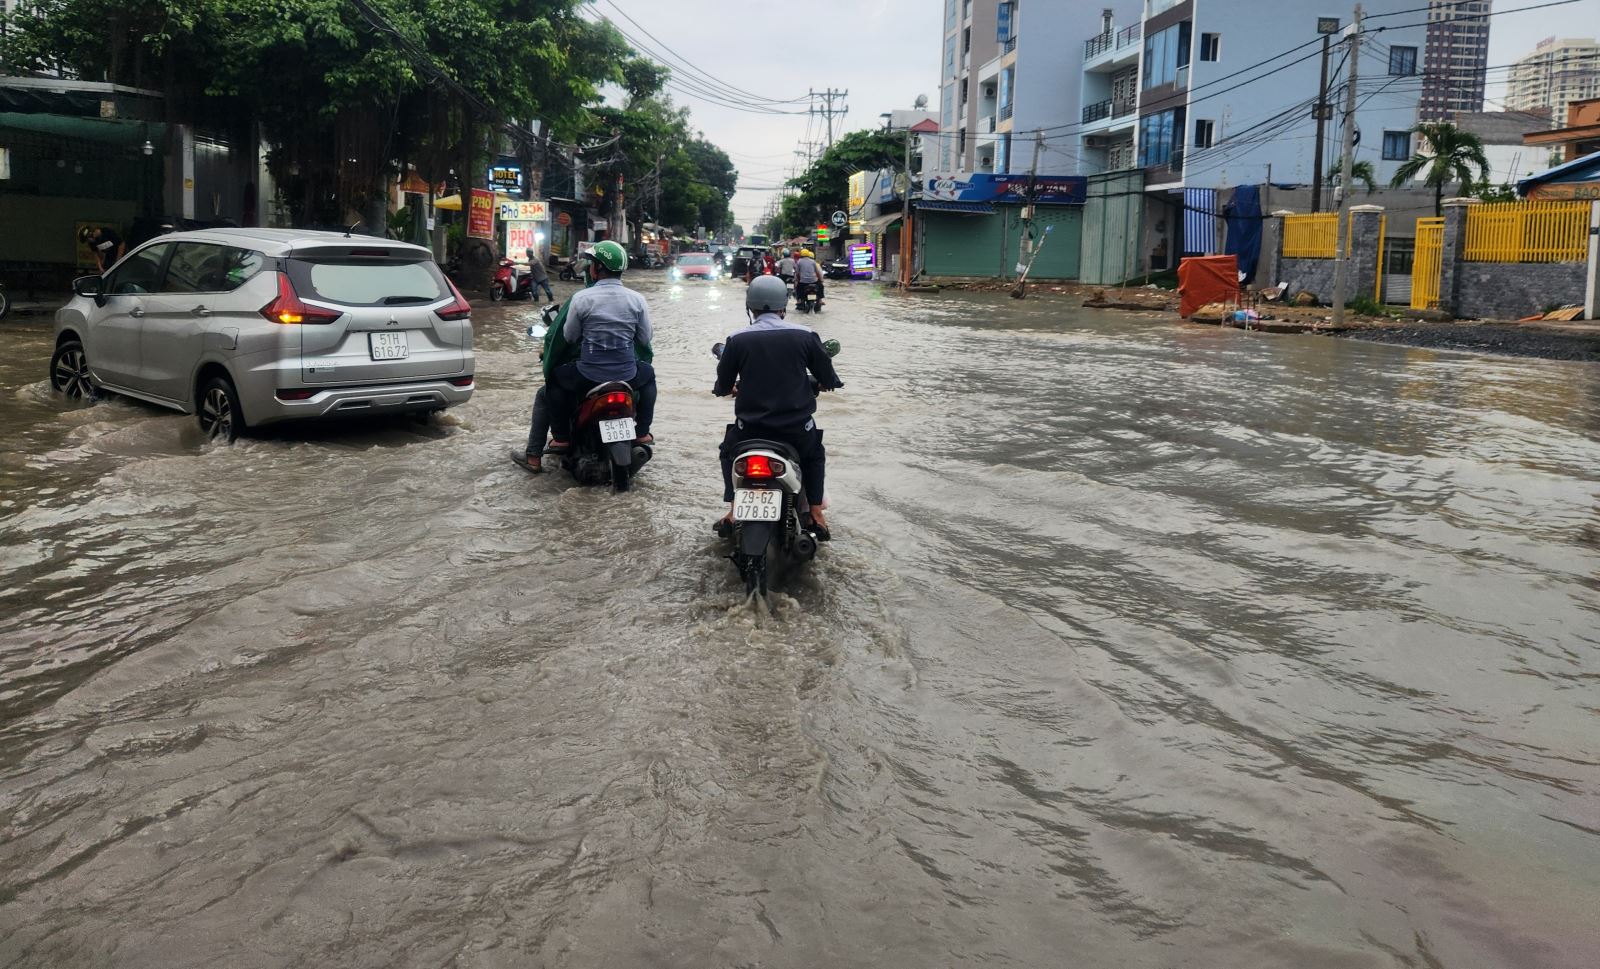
(610,255)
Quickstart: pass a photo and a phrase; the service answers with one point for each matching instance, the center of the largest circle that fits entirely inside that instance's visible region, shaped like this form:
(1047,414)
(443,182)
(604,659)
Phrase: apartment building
(1218,108)
(1455,58)
(1027,93)
(1557,73)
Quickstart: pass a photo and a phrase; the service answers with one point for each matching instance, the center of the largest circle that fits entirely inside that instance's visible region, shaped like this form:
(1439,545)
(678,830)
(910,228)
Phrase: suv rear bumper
(330,402)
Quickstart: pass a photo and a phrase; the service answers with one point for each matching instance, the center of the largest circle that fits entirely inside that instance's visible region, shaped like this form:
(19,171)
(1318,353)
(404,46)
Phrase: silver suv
(244,327)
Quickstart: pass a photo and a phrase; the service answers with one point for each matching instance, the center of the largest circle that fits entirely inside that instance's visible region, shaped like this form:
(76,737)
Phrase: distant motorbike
(603,432)
(569,272)
(768,501)
(837,270)
(503,288)
(808,297)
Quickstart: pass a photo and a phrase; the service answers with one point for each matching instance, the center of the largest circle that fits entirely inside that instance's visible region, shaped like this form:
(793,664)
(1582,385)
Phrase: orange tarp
(1206,279)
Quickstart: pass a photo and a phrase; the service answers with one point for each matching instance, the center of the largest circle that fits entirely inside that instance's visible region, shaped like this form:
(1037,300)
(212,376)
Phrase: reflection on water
(1141,645)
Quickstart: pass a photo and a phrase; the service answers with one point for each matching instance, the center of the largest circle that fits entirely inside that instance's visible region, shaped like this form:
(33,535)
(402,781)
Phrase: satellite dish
(921,102)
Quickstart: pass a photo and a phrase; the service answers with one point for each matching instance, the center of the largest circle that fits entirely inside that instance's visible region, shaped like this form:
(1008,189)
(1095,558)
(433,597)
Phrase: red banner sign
(480,214)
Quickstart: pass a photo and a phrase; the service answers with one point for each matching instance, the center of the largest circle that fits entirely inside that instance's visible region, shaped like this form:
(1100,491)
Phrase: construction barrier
(1527,232)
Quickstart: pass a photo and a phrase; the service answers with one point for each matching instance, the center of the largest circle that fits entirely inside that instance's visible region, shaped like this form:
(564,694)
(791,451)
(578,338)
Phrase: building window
(1402,61)
(1159,135)
(1396,145)
(1210,47)
(1203,131)
(966,42)
(1165,52)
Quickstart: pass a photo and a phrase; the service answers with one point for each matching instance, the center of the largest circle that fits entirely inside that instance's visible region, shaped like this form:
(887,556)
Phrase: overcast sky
(885,53)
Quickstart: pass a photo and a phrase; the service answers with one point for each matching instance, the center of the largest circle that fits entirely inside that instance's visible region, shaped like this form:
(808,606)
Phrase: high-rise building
(1557,73)
(1455,58)
(971,39)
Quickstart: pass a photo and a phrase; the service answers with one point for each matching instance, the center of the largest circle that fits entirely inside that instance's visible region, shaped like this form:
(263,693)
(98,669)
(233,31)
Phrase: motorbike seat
(761,444)
(608,387)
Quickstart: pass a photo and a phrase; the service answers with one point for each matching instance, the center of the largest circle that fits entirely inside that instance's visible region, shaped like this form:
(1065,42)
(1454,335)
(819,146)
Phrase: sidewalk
(33,308)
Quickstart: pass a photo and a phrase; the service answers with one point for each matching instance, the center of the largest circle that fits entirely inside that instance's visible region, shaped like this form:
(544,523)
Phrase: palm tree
(1449,155)
(1361,171)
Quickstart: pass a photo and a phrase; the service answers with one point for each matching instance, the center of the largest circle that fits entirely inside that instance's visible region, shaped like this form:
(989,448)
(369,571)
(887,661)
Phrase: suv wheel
(69,371)
(217,410)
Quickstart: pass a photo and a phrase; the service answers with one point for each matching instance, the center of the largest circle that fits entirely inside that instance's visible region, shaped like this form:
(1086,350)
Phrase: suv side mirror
(87,286)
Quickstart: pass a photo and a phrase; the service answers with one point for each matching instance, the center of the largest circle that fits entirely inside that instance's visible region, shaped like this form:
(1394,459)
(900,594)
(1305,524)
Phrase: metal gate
(1399,262)
(1428,264)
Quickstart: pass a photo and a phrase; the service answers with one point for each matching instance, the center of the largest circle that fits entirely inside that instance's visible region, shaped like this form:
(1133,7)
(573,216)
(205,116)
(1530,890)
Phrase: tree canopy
(348,93)
(825,185)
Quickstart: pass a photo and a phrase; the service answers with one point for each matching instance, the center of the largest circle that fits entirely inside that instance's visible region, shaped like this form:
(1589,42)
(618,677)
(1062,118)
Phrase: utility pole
(1323,110)
(1033,194)
(905,220)
(1341,259)
(828,110)
(658,197)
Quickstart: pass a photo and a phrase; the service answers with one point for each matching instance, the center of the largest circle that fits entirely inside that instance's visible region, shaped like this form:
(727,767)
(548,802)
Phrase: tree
(1448,154)
(1361,171)
(825,185)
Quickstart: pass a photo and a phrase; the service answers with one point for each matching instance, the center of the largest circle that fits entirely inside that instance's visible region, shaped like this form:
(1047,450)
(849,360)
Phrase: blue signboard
(1051,189)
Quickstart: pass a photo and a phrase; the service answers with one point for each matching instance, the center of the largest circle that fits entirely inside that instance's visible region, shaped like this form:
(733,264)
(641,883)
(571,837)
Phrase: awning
(115,132)
(452,203)
(879,225)
(966,208)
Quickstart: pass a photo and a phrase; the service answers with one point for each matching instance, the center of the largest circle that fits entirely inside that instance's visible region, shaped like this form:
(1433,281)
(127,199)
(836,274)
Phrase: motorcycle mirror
(716,350)
(538,331)
(831,347)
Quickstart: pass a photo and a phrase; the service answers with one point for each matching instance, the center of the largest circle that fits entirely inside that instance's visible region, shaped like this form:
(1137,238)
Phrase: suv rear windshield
(368,282)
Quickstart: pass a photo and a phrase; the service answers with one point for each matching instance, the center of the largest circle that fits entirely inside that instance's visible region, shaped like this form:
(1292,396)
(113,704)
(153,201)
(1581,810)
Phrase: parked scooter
(503,288)
(768,502)
(603,432)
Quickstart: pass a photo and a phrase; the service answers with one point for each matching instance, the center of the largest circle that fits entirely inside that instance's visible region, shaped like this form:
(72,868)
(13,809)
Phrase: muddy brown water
(1140,645)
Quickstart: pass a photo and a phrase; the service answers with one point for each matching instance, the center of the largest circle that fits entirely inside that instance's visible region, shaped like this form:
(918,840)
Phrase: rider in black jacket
(769,366)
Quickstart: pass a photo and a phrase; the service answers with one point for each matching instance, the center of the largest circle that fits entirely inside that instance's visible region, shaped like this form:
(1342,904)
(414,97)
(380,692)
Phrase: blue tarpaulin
(1243,215)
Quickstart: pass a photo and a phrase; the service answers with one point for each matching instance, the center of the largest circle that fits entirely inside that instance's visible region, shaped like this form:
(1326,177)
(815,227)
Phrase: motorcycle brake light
(759,466)
(616,397)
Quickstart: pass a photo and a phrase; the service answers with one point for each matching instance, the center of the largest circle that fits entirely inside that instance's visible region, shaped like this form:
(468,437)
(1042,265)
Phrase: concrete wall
(1469,290)
(1509,291)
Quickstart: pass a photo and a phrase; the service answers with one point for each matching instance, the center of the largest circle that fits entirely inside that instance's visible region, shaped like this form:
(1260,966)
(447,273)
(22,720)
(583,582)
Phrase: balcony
(1009,46)
(987,124)
(1005,112)
(1112,48)
(1110,108)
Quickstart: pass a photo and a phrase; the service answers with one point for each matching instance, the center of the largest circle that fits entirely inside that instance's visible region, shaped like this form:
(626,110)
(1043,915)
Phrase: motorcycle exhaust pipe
(805,547)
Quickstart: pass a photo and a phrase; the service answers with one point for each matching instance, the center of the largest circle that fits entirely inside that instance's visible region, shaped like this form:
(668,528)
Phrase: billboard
(480,214)
(978,187)
(524,211)
(522,236)
(861,257)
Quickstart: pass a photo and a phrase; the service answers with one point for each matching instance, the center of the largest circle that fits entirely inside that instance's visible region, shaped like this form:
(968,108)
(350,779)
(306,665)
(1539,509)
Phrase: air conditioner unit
(988,90)
(1097,141)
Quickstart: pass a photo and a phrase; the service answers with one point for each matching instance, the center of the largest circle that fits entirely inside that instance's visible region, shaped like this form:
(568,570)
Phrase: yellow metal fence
(1427,264)
(1528,232)
(1311,236)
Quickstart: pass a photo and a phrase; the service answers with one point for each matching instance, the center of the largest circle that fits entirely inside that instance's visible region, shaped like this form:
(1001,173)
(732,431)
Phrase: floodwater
(1139,645)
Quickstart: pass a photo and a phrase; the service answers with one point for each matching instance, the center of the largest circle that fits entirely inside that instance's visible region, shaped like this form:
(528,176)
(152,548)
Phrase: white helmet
(767,294)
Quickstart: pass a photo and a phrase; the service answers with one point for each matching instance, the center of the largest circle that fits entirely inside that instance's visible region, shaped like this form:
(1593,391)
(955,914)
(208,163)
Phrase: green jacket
(558,351)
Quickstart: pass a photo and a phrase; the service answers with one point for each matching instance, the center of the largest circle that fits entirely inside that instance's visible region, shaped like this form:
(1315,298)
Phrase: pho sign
(480,214)
(524,211)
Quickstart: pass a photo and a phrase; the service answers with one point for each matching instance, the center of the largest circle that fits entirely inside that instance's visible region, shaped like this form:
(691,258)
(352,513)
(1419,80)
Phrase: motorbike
(837,269)
(808,297)
(603,431)
(502,287)
(767,533)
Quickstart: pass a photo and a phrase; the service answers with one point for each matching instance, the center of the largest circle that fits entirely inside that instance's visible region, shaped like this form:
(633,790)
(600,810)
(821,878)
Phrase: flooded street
(1138,645)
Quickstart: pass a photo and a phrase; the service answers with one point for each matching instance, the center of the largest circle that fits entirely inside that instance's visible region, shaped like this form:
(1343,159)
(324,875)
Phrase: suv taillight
(459,310)
(287,307)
